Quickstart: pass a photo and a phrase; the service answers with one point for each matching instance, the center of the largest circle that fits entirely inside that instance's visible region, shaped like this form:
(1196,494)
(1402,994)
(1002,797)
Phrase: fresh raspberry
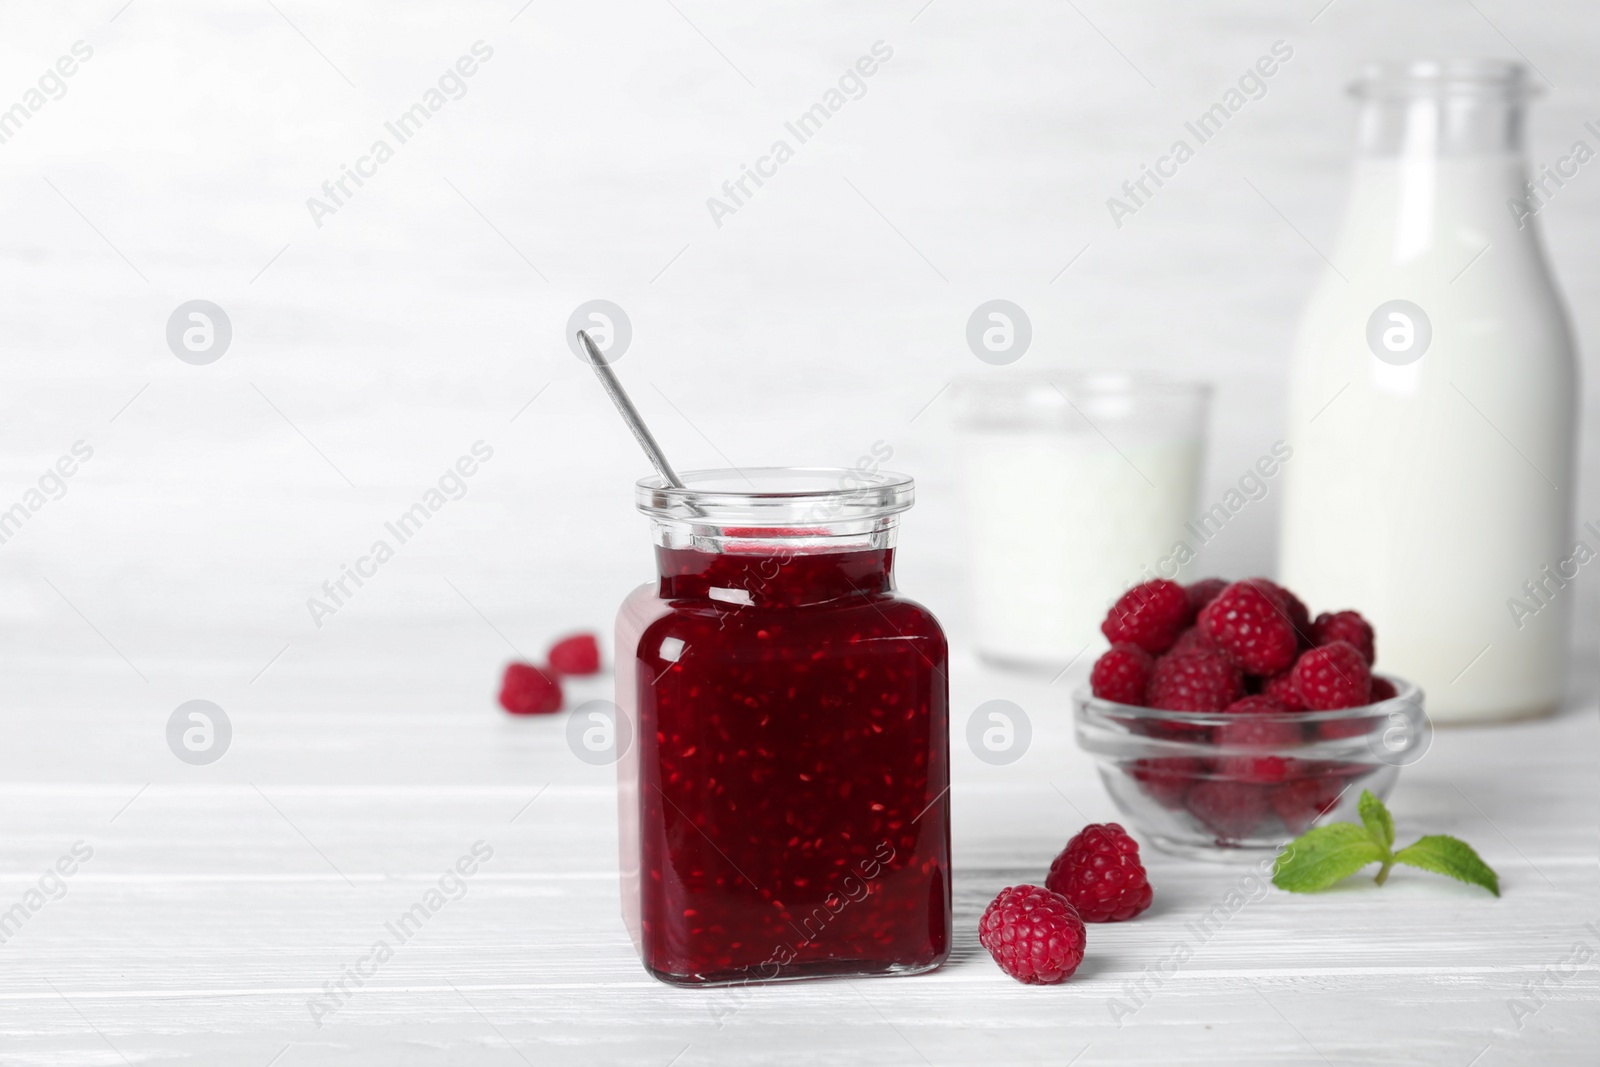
(1340,729)
(1256,728)
(1148,615)
(1281,688)
(578,654)
(527,690)
(1230,809)
(1198,680)
(1122,674)
(1036,936)
(1345,626)
(1166,779)
(1299,614)
(1257,704)
(1203,592)
(1247,620)
(1303,801)
(1100,874)
(1191,639)
(1332,676)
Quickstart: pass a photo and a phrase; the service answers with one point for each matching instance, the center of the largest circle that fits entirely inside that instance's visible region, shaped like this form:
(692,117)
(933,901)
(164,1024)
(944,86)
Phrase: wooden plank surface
(220,899)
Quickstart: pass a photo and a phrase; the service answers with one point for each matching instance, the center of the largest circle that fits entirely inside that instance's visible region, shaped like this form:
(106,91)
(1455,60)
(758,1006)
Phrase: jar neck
(780,574)
(775,536)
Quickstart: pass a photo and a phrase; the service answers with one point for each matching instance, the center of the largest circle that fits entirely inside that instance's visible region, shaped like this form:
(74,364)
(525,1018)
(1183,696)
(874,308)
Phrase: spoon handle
(630,414)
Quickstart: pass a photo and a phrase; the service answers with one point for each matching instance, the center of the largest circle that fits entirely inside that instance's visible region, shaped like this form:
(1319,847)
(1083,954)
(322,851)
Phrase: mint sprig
(1318,858)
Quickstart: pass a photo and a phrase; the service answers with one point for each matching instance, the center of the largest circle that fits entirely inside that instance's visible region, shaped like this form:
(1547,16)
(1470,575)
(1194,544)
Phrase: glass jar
(1433,400)
(784,809)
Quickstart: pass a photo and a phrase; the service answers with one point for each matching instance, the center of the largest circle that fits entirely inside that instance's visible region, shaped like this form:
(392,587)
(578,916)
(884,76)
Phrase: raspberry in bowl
(1254,723)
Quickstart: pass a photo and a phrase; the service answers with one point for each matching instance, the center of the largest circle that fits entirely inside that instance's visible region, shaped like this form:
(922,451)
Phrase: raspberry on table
(1302,801)
(1345,626)
(1203,592)
(1249,622)
(1036,936)
(578,654)
(1332,676)
(1166,779)
(1196,680)
(1231,810)
(1100,874)
(528,690)
(1148,615)
(1122,674)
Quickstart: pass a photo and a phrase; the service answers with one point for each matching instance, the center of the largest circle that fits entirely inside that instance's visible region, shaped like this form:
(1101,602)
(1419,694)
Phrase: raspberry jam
(785,804)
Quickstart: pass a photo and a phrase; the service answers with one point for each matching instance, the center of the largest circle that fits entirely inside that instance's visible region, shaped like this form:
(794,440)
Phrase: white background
(827,314)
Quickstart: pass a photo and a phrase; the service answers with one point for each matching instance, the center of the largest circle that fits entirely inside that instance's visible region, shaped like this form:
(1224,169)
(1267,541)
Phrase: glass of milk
(1077,486)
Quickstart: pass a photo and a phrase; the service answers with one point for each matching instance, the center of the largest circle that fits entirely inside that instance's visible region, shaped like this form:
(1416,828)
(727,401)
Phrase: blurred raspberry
(1148,615)
(1231,810)
(1258,703)
(1300,802)
(1332,676)
(1299,614)
(1203,592)
(1100,874)
(578,654)
(1346,626)
(1191,639)
(1248,621)
(1281,688)
(1339,729)
(1035,935)
(1256,727)
(527,690)
(1122,674)
(1381,689)
(1166,779)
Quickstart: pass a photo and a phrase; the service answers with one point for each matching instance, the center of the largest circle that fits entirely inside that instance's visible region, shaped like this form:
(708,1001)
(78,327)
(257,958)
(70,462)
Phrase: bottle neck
(1441,125)
(1434,175)
(777,575)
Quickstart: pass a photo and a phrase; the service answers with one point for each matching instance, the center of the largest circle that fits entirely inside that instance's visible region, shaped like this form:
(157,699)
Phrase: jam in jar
(785,801)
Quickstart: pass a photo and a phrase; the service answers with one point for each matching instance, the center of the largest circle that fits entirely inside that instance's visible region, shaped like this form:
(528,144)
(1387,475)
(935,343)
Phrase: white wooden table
(219,899)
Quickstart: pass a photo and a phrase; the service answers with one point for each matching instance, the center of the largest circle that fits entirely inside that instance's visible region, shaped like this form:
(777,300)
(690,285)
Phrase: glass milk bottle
(1433,401)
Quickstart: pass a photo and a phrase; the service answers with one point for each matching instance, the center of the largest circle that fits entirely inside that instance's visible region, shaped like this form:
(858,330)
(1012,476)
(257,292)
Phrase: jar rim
(776,496)
(1398,79)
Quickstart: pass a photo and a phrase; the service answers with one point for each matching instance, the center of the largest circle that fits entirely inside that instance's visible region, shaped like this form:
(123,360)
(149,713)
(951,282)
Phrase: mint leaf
(1328,854)
(1376,818)
(1444,854)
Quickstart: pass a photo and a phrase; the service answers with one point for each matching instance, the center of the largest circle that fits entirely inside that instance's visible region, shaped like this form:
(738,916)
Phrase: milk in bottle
(1433,402)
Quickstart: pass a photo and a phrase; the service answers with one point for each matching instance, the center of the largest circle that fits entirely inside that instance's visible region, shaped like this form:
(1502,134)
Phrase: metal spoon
(630,414)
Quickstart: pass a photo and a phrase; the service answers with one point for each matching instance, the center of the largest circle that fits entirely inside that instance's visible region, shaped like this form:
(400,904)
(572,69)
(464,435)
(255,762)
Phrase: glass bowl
(1192,794)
